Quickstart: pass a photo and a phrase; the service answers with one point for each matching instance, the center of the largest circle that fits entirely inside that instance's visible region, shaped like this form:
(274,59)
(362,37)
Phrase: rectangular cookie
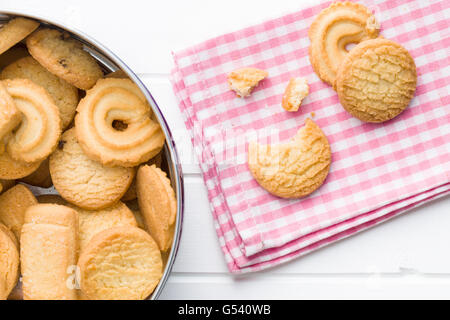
(48,252)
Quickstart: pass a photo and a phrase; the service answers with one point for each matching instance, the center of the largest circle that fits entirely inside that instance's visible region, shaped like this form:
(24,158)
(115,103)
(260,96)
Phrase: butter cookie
(121,263)
(64,57)
(114,124)
(376,80)
(84,182)
(294,169)
(335,27)
(157,204)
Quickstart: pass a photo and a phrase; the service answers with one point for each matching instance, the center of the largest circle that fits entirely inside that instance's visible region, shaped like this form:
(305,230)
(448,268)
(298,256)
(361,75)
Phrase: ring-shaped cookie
(38,134)
(335,27)
(109,103)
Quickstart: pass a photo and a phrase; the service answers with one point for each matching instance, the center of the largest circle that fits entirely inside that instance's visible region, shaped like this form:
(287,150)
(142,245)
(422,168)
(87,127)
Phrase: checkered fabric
(378,171)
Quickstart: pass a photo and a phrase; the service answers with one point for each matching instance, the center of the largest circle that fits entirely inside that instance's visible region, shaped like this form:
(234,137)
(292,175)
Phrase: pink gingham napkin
(378,171)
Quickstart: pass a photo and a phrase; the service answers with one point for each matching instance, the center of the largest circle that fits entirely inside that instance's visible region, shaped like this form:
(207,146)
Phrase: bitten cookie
(15,31)
(294,169)
(63,94)
(9,262)
(244,80)
(122,263)
(114,124)
(48,249)
(40,129)
(332,30)
(157,204)
(64,57)
(95,221)
(84,182)
(296,90)
(13,205)
(376,80)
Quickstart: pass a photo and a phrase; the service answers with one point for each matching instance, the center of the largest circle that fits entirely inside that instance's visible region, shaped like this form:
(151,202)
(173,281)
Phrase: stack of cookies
(111,225)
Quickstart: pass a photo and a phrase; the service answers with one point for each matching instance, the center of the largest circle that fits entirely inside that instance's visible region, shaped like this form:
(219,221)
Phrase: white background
(408,257)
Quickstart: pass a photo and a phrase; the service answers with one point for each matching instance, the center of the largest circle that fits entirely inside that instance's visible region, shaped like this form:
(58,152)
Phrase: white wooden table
(408,257)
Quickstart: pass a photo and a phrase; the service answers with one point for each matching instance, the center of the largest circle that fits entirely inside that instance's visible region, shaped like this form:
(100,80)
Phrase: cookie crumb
(296,90)
(244,80)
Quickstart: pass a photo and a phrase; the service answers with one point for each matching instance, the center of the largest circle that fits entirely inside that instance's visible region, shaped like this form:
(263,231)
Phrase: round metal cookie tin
(109,62)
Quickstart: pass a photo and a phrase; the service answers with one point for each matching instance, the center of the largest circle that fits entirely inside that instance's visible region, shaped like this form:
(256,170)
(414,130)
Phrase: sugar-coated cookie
(9,262)
(13,205)
(95,221)
(10,116)
(376,80)
(296,90)
(335,27)
(122,263)
(63,94)
(40,129)
(157,204)
(12,169)
(114,124)
(41,177)
(243,81)
(15,31)
(85,182)
(293,169)
(48,251)
(64,57)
